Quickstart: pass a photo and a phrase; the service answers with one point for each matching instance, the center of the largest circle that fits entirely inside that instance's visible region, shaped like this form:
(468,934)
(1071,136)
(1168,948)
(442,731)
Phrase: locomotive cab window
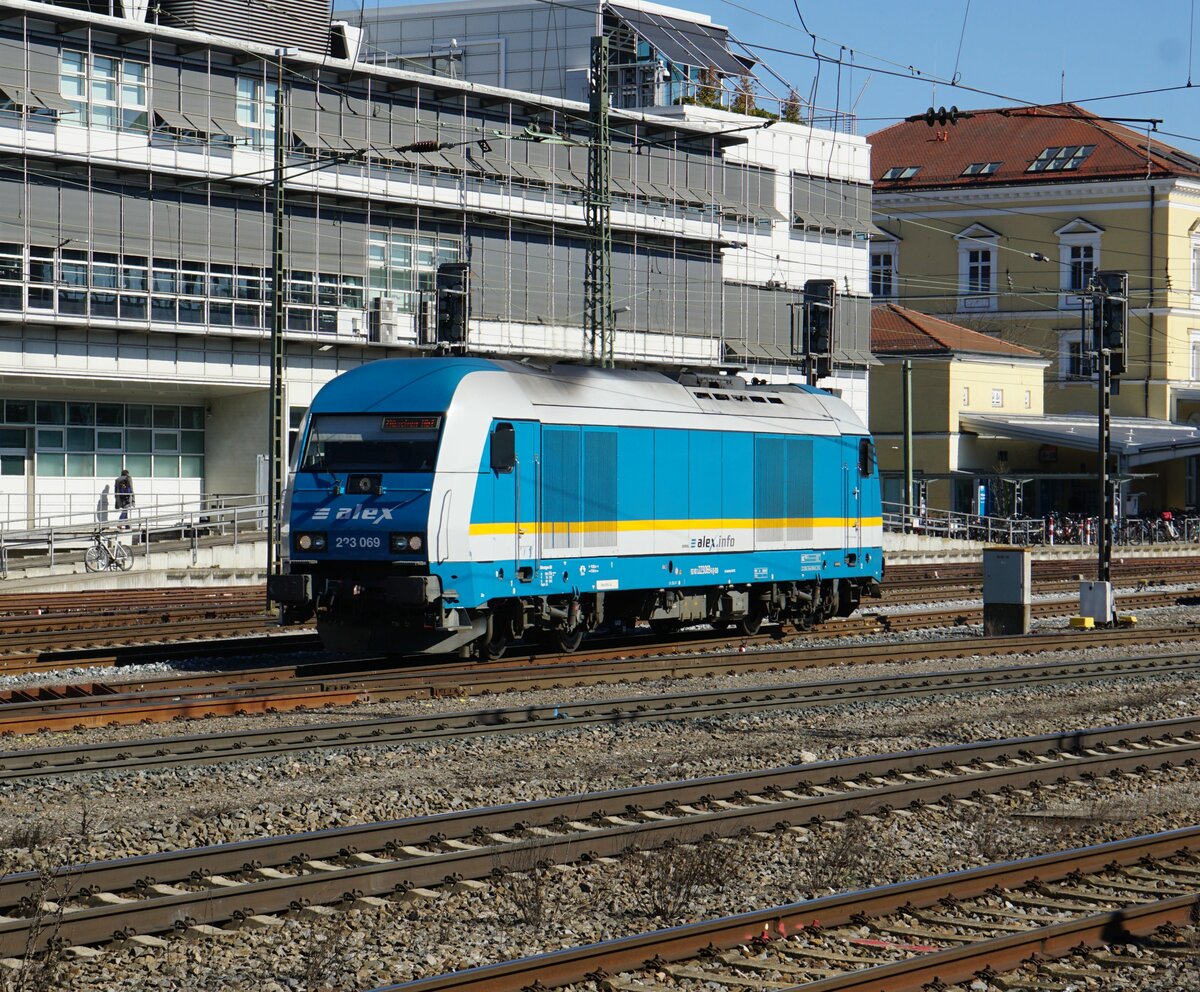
(503,448)
(866,457)
(372,442)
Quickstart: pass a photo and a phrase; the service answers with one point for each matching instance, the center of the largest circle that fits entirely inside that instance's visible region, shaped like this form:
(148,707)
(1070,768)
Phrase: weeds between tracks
(43,970)
(674,875)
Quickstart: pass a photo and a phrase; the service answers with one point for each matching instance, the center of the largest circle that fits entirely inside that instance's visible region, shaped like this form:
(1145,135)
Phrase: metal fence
(1056,529)
(19,511)
(189,520)
(963,526)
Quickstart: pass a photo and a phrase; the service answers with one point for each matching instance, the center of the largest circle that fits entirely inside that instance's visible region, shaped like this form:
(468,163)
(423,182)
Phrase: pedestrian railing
(208,518)
(957,526)
(1056,529)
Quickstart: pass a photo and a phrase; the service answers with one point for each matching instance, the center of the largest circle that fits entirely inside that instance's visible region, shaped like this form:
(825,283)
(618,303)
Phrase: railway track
(247,881)
(1125,567)
(111,600)
(42,631)
(641,645)
(215,747)
(50,708)
(922,934)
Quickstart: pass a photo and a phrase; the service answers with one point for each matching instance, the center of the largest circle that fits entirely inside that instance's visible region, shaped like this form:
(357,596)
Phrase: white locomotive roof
(651,398)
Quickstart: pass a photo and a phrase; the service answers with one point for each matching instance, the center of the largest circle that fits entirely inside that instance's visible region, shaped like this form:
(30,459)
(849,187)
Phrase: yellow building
(1000,221)
(955,372)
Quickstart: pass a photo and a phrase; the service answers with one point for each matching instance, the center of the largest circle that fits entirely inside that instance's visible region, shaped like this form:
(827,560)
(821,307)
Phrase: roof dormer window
(1061,159)
(902,172)
(981,168)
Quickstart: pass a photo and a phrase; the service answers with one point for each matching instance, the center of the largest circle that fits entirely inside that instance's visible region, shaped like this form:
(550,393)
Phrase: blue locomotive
(458,504)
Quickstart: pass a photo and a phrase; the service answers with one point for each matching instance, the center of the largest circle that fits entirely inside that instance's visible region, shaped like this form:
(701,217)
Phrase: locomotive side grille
(561,503)
(600,488)
(770,491)
(799,489)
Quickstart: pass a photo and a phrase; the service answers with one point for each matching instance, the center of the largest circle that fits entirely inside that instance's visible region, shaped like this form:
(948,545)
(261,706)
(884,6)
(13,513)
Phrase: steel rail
(20,628)
(215,747)
(627,954)
(96,704)
(66,603)
(116,656)
(556,830)
(140,631)
(1003,954)
(109,654)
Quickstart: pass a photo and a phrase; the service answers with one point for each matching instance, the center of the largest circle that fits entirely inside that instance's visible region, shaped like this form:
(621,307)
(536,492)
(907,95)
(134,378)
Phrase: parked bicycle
(107,554)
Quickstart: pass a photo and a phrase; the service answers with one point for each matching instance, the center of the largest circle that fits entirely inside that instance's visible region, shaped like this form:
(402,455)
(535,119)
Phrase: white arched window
(977,267)
(1078,258)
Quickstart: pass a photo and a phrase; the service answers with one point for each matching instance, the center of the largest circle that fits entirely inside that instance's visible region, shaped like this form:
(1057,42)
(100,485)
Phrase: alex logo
(374,514)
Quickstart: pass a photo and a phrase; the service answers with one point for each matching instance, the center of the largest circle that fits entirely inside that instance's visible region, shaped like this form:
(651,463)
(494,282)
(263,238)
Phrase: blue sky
(1016,48)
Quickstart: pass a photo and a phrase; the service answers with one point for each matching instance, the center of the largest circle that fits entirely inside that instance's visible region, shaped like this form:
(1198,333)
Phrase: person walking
(123,490)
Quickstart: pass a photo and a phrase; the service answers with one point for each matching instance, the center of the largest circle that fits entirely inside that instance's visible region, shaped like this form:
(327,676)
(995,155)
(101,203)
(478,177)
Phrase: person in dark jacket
(123,490)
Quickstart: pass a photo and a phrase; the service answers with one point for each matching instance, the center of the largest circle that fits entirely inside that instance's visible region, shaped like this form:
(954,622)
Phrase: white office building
(136,149)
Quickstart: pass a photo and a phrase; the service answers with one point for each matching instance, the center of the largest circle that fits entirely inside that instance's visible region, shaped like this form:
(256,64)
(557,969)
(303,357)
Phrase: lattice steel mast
(597,288)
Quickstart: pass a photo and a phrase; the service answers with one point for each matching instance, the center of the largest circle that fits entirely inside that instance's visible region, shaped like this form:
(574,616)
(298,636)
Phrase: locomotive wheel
(568,640)
(494,649)
(749,624)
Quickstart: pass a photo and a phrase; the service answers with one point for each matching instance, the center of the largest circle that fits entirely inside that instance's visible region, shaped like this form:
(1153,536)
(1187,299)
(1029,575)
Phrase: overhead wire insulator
(423,146)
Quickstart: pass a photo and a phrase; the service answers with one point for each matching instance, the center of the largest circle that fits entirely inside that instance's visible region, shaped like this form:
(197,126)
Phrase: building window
(1028,399)
(1195,269)
(73,282)
(883,272)
(403,266)
(12,265)
(1194,355)
(1079,257)
(979,270)
(966,396)
(100,438)
(105,92)
(997,397)
(1066,158)
(1081,265)
(1079,361)
(902,172)
(981,168)
(256,110)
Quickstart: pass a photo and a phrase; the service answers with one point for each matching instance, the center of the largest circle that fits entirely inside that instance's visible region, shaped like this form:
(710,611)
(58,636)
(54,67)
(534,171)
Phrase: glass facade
(78,283)
(256,110)
(403,266)
(95,440)
(105,92)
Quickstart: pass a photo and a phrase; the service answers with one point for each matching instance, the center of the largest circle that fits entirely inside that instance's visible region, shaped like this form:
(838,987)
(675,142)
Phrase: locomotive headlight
(406,542)
(311,542)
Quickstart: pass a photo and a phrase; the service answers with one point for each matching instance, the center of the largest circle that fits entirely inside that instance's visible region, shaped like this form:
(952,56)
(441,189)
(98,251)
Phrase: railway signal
(1110,316)
(820,306)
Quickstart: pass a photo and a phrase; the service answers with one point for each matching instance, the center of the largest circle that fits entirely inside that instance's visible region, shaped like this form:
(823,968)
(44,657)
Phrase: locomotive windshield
(372,442)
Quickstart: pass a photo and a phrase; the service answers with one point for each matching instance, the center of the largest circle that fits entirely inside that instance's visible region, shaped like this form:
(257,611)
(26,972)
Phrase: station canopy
(1137,440)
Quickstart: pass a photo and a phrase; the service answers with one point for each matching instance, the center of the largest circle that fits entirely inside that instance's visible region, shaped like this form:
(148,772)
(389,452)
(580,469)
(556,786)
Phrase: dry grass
(671,878)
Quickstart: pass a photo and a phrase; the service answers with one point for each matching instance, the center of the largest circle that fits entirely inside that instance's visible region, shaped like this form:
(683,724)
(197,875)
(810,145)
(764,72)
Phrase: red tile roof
(1014,137)
(896,330)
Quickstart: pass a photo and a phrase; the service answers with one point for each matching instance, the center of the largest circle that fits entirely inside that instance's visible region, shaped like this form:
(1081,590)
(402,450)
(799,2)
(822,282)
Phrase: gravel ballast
(117,814)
